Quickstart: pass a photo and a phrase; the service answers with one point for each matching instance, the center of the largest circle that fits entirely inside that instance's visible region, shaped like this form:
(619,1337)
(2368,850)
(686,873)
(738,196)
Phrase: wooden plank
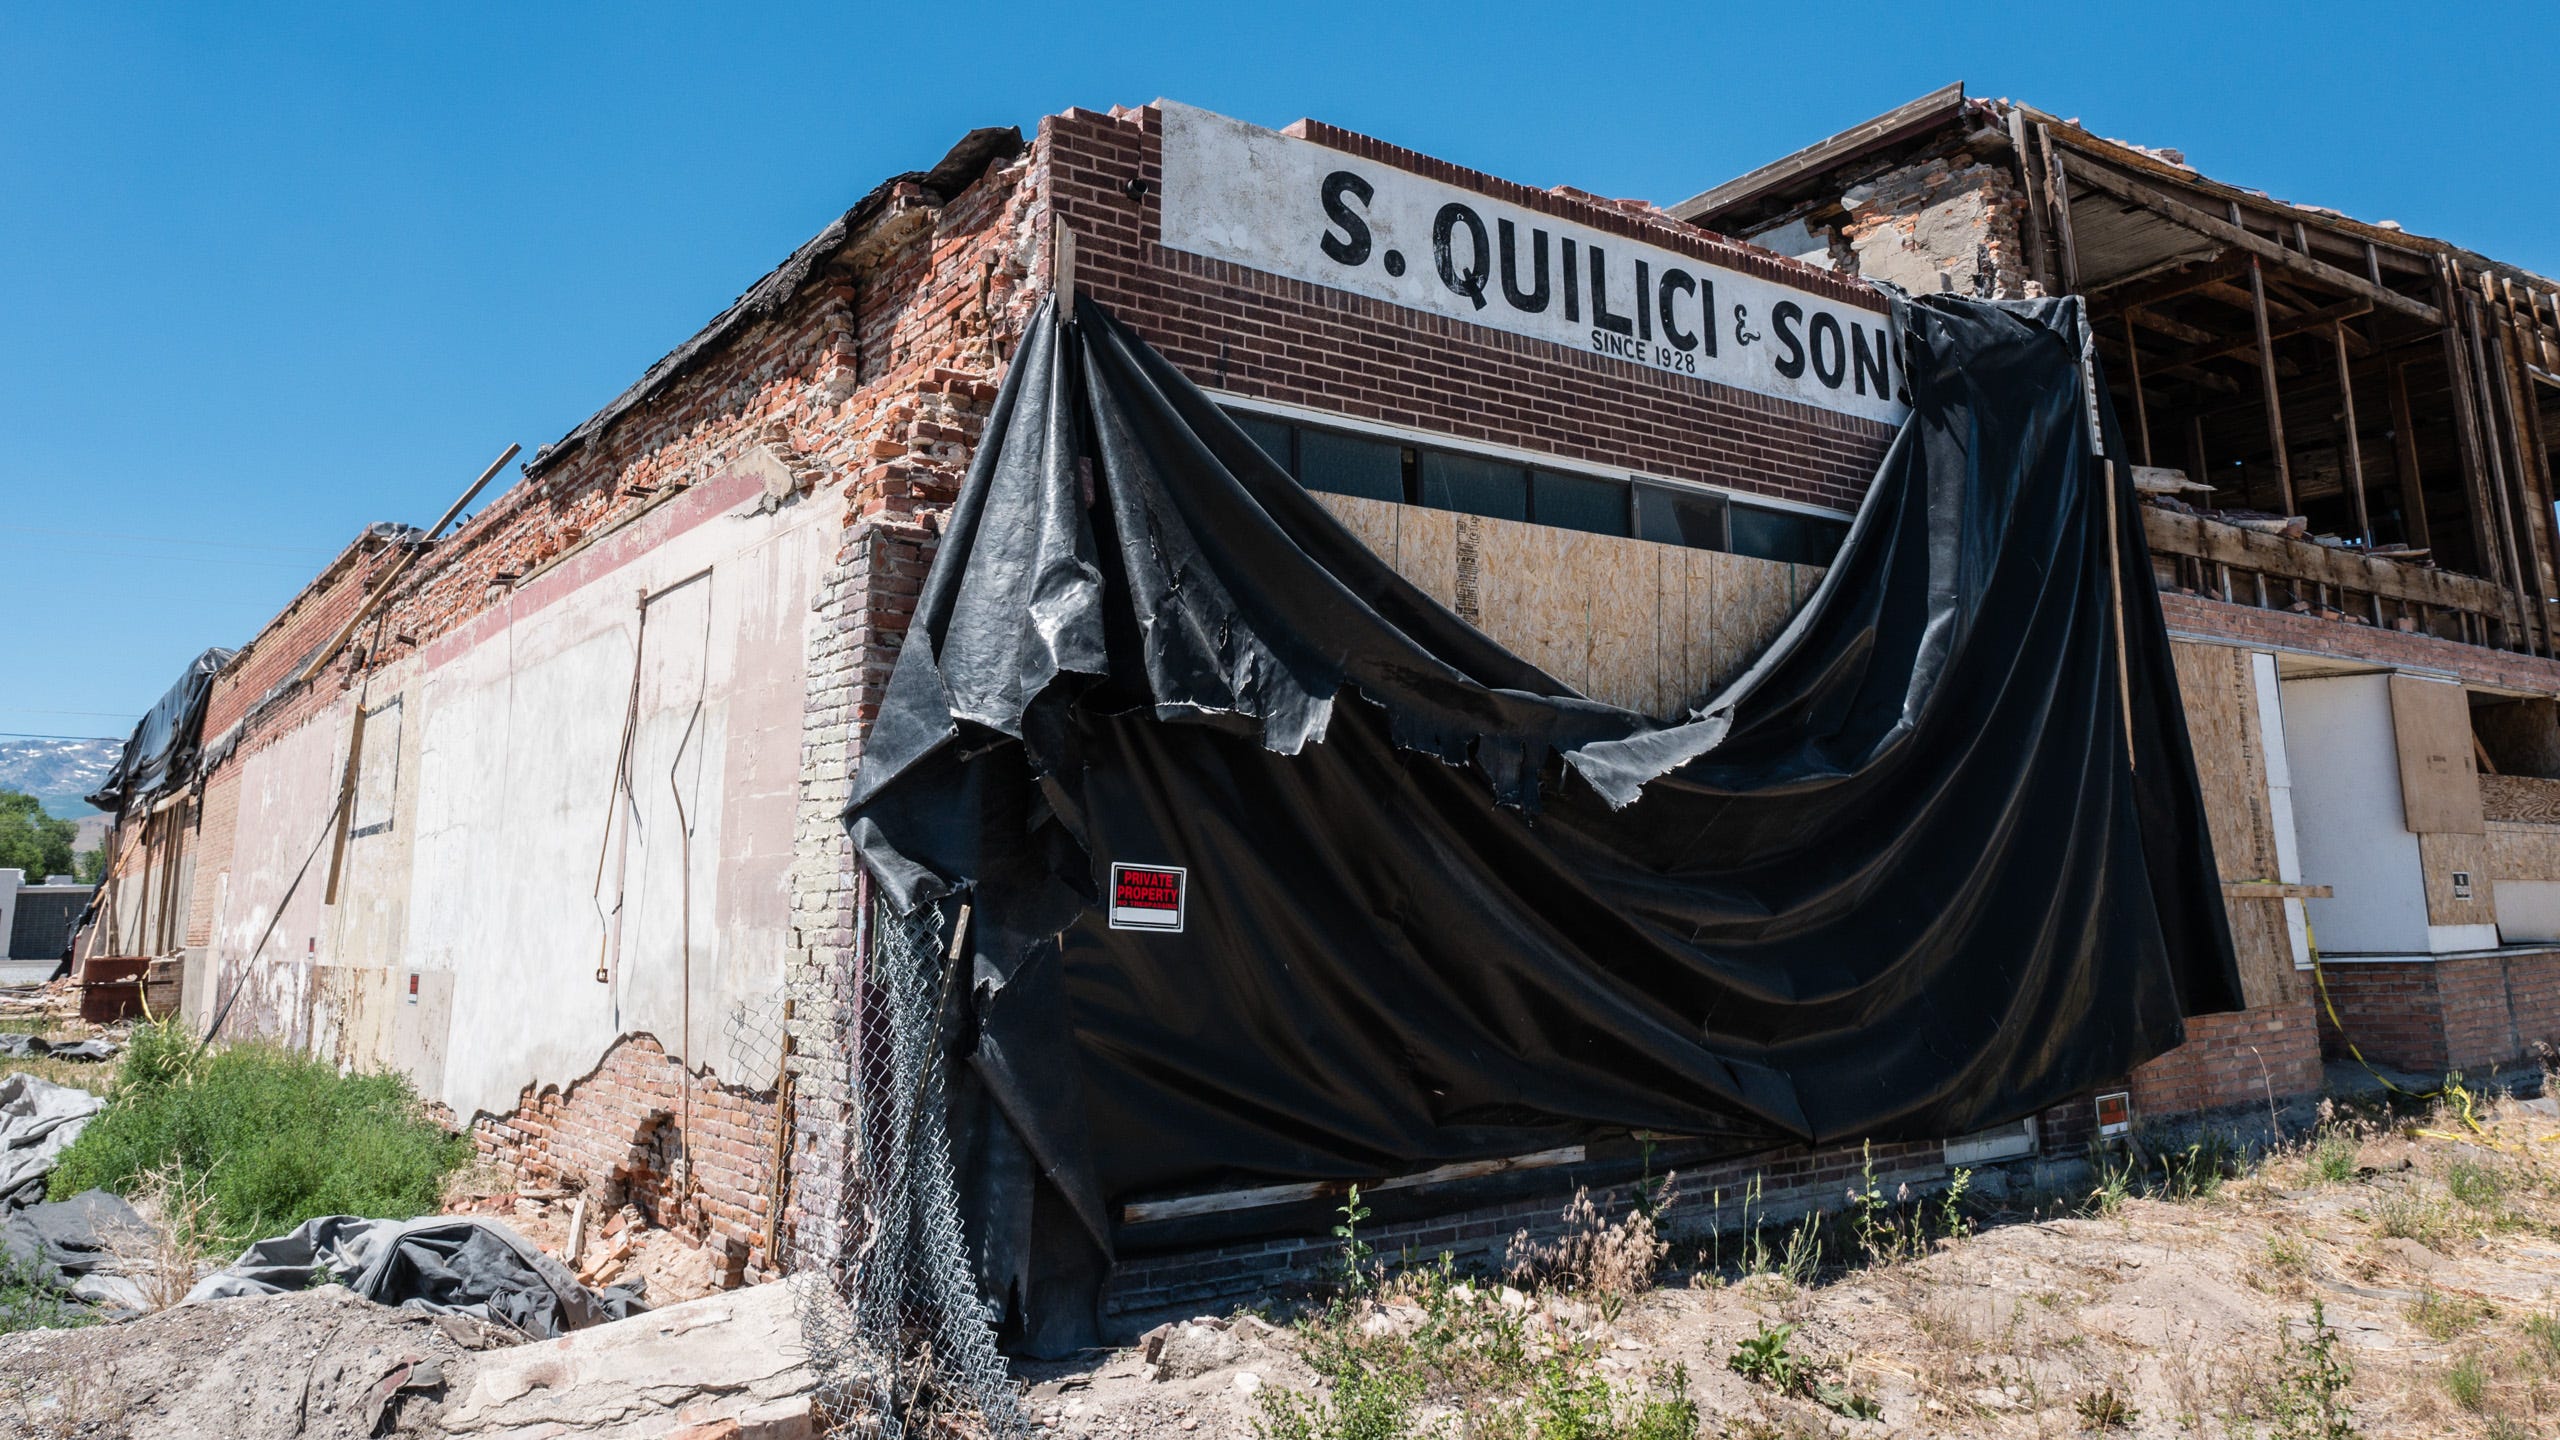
(1257,1197)
(2520,799)
(2355,447)
(2274,890)
(2099,177)
(1900,122)
(2058,184)
(2267,385)
(2439,779)
(2133,366)
(2039,250)
(2404,447)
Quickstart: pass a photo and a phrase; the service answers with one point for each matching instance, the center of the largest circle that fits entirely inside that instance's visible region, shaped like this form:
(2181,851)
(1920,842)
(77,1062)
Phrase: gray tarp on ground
(28,1047)
(38,1121)
(445,1264)
(82,1246)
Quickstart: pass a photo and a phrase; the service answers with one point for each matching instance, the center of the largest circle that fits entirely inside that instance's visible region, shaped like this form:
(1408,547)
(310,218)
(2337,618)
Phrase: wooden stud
(2133,367)
(2059,185)
(2267,380)
(2404,446)
(2355,447)
(2039,253)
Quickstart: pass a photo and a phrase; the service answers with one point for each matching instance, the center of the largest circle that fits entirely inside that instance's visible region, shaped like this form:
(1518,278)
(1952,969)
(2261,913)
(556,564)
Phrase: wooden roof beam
(2178,212)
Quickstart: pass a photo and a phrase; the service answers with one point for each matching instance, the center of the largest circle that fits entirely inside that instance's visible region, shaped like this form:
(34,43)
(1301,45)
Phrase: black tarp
(1898,880)
(162,751)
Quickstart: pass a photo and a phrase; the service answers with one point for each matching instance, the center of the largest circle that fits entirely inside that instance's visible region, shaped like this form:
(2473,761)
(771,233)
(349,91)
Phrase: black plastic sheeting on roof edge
(161,753)
(1898,881)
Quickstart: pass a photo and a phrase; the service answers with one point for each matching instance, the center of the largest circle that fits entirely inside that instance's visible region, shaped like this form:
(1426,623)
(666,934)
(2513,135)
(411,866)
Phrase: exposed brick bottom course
(620,1133)
(2432,1016)
(2260,1055)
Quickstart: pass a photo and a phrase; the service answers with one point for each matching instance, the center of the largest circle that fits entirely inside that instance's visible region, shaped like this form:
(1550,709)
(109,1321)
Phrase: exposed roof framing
(1900,123)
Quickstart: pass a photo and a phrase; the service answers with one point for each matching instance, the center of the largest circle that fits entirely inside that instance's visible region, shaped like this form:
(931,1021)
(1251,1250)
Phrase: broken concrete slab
(734,1357)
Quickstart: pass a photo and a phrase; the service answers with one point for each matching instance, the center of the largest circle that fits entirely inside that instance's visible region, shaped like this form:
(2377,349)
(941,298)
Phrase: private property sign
(1257,198)
(1147,897)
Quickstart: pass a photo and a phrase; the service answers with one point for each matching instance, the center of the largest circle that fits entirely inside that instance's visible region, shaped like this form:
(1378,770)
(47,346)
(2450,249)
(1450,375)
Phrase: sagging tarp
(162,750)
(442,1264)
(1920,870)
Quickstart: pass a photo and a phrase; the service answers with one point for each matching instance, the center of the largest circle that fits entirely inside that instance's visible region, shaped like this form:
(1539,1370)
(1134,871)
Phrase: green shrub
(275,1137)
(28,1304)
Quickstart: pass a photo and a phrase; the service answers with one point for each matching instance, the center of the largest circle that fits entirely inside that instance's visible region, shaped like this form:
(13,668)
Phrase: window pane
(1579,502)
(1473,486)
(1271,435)
(1339,464)
(1672,516)
(1784,535)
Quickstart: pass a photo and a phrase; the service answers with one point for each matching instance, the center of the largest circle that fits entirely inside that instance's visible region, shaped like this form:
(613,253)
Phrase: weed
(2467,1381)
(2106,1408)
(2415,1214)
(2443,1318)
(1608,1260)
(2477,1186)
(2542,1332)
(28,1303)
(2309,1400)
(2115,1170)
(1765,1358)
(1369,1401)
(1836,1397)
(2288,1254)
(1355,1251)
(267,1137)
(2333,1160)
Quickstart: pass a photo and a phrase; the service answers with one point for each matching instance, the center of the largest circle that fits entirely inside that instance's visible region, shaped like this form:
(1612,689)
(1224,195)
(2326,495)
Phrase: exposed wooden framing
(2274,890)
(2404,445)
(2535,452)
(2059,186)
(2039,252)
(2355,447)
(2141,412)
(2174,329)
(2501,413)
(2196,275)
(2267,385)
(2196,459)
(2230,232)
(2303,324)
(2488,514)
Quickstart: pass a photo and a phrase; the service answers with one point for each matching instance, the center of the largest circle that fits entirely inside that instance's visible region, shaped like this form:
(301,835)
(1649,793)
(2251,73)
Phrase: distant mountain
(58,772)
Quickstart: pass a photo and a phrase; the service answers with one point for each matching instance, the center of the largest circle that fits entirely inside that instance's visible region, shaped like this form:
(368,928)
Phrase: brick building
(555,830)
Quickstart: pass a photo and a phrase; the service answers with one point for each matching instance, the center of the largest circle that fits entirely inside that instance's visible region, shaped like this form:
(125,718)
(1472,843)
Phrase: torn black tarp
(162,750)
(442,1264)
(1899,880)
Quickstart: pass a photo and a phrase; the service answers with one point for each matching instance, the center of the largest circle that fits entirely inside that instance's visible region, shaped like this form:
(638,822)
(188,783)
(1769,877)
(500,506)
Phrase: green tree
(31,840)
(91,865)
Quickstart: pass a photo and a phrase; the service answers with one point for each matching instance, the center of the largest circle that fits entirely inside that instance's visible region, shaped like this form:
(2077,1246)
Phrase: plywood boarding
(2439,780)
(2440,857)
(2522,798)
(1651,627)
(2228,734)
(2522,851)
(2223,726)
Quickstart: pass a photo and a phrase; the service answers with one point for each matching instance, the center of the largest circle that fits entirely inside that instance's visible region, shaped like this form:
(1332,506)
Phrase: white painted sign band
(1271,202)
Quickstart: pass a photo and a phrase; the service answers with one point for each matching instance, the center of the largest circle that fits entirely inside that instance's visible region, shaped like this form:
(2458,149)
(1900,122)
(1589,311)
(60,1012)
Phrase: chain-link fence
(896,1330)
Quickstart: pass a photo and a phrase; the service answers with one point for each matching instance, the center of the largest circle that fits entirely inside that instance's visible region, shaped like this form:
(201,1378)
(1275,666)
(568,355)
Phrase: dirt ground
(2431,1250)
(322,1363)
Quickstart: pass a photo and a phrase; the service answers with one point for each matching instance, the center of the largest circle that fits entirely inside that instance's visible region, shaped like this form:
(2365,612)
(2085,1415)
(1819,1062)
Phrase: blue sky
(271,272)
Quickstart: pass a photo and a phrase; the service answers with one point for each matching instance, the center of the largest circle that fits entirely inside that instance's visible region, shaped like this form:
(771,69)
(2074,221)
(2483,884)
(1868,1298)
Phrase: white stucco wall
(479,871)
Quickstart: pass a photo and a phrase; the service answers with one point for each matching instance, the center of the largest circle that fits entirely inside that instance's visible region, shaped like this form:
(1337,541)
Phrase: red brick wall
(2430,1016)
(1256,334)
(619,1131)
(2245,1057)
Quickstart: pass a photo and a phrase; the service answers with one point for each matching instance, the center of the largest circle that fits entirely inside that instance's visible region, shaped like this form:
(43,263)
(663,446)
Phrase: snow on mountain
(58,772)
